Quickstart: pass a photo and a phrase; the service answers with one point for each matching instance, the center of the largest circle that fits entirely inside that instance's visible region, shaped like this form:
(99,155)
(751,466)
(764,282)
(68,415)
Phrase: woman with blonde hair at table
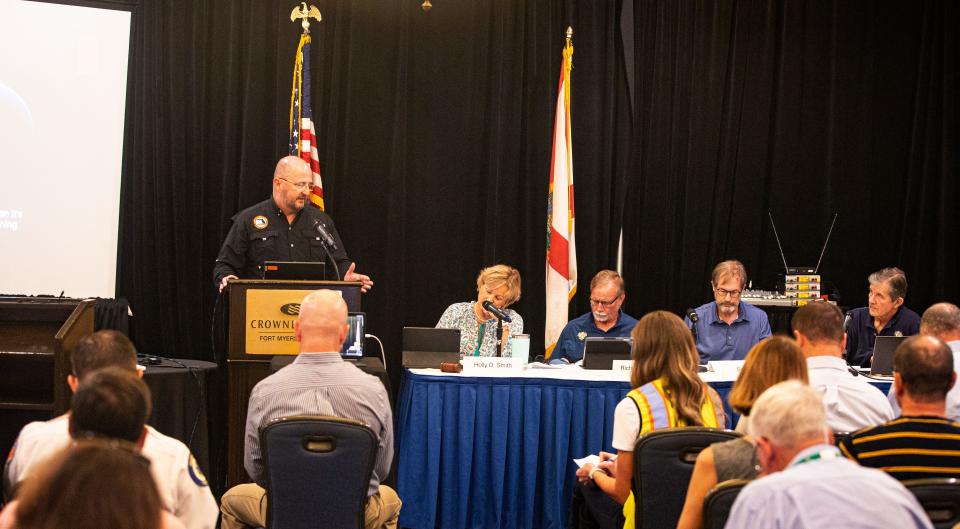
(500,285)
(667,392)
(771,361)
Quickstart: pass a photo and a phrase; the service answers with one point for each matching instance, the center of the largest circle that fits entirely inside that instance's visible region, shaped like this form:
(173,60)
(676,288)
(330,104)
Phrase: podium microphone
(325,235)
(492,309)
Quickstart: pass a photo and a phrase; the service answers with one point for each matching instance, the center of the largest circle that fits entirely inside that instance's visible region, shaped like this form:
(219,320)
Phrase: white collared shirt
(851,402)
(183,488)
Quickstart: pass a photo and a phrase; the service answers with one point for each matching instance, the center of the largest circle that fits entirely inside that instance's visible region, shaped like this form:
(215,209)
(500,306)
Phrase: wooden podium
(37,336)
(260,326)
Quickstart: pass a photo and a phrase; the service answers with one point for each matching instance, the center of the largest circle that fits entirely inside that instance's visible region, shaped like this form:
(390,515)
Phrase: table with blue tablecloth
(496,452)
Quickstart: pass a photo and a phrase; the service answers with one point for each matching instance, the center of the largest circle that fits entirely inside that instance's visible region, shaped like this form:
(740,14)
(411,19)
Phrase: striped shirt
(320,384)
(908,447)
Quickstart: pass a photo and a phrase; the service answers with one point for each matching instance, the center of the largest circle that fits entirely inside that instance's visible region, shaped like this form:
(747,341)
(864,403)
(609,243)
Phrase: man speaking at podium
(282,229)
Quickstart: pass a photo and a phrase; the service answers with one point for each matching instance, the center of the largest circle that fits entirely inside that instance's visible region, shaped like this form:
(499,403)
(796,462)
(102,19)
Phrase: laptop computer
(883,349)
(599,352)
(294,270)
(429,346)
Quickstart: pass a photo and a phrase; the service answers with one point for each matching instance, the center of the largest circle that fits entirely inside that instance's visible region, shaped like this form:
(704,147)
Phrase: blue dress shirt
(717,340)
(570,344)
(861,334)
(816,494)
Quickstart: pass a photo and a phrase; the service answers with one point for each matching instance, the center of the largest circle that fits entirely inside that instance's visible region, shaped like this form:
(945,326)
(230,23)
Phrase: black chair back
(662,463)
(940,497)
(719,501)
(318,471)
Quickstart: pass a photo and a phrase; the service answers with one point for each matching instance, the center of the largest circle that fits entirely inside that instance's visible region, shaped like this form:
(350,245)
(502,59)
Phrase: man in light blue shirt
(727,328)
(807,481)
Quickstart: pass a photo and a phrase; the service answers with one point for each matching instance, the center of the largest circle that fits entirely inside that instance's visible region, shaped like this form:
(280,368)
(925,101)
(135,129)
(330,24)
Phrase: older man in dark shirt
(885,315)
(281,228)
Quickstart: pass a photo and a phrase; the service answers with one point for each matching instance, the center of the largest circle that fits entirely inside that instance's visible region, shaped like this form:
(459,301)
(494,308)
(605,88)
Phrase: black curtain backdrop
(691,120)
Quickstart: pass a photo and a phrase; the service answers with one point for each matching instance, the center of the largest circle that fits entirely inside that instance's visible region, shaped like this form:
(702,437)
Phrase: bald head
(923,365)
(322,326)
(291,166)
(941,320)
(292,180)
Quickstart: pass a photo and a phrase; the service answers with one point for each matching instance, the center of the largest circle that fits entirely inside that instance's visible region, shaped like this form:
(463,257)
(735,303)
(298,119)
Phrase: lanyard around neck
(826,453)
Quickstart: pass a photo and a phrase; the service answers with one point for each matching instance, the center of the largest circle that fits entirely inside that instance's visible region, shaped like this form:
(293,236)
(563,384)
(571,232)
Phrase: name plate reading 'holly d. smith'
(270,317)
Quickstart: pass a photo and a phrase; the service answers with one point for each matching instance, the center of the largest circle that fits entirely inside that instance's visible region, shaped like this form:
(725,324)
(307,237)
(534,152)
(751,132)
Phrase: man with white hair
(941,320)
(807,481)
(884,315)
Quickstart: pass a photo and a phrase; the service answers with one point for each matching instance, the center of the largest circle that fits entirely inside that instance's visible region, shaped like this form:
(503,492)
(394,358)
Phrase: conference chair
(318,471)
(940,497)
(662,464)
(719,501)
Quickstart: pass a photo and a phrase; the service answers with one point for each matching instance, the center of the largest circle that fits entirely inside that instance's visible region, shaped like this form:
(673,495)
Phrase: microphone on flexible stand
(501,317)
(496,311)
(328,244)
(694,318)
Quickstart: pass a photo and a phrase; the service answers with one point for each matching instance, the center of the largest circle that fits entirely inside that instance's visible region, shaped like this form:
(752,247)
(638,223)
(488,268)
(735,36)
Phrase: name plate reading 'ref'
(492,365)
(270,317)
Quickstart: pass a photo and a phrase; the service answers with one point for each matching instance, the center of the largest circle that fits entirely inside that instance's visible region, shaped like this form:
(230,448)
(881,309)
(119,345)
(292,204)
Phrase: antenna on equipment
(824,250)
(786,268)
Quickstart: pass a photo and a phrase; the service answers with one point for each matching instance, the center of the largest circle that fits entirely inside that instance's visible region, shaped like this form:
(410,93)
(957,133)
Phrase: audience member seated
(851,402)
(94,484)
(727,327)
(605,318)
(500,285)
(885,315)
(921,443)
(773,360)
(183,487)
(667,393)
(318,382)
(942,321)
(807,483)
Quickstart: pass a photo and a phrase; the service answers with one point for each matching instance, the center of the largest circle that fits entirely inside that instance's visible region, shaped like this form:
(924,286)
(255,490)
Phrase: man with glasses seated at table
(282,229)
(727,327)
(605,318)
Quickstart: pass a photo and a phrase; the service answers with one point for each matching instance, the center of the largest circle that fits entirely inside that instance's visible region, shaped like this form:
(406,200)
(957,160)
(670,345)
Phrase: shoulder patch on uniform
(195,473)
(582,335)
(260,222)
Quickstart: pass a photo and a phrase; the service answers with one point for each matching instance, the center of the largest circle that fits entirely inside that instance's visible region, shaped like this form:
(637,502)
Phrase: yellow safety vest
(656,412)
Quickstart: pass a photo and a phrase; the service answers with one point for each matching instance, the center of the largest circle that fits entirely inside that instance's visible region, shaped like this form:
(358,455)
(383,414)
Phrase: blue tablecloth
(479,452)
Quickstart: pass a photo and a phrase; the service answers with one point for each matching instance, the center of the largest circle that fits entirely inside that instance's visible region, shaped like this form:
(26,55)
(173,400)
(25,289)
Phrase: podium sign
(269,323)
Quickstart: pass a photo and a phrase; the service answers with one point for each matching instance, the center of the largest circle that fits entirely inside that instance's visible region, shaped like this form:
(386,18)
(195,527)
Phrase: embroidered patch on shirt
(582,335)
(260,222)
(195,474)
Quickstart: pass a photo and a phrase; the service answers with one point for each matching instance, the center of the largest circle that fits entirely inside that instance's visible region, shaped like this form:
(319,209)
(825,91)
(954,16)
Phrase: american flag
(303,136)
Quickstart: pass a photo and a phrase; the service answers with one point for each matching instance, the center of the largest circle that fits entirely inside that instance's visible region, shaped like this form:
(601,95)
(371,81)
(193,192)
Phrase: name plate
(491,365)
(621,366)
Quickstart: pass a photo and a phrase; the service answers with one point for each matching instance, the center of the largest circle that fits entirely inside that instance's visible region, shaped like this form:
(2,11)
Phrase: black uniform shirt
(261,233)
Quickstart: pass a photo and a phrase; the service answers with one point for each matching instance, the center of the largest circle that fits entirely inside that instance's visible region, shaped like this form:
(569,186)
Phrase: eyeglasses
(724,293)
(300,186)
(604,304)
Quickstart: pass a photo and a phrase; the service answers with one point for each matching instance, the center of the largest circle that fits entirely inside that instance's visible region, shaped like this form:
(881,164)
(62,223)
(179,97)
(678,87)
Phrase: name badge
(492,366)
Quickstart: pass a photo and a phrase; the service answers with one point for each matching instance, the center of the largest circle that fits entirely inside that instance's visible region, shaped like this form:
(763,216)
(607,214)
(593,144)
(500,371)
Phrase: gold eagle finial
(305,14)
